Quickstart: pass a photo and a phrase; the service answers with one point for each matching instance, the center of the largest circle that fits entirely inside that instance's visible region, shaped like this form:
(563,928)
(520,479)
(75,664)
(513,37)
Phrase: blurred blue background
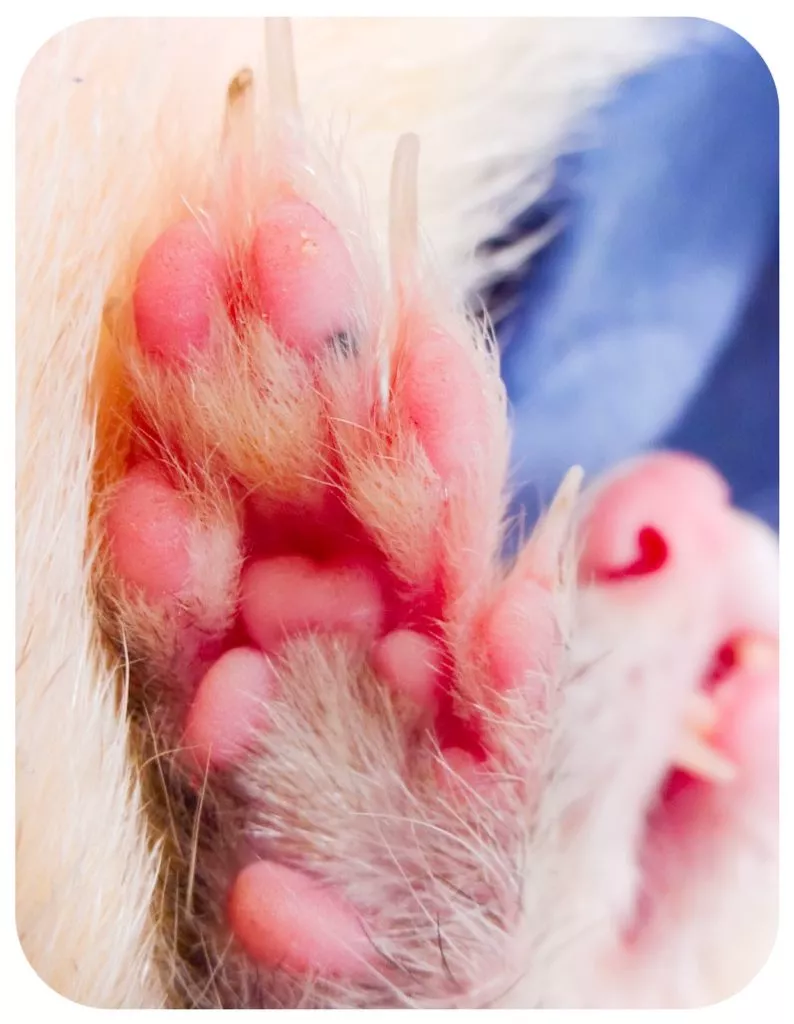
(651,320)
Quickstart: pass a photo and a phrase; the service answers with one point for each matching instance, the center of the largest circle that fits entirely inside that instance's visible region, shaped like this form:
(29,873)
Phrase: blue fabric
(651,319)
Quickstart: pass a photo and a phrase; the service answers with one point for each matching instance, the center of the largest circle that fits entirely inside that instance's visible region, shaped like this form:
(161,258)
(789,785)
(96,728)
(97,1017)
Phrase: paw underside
(353,713)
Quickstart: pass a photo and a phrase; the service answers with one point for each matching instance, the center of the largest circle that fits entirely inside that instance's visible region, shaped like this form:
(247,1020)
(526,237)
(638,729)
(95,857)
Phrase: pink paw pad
(148,527)
(289,595)
(230,707)
(442,396)
(521,636)
(180,279)
(297,251)
(410,663)
(283,919)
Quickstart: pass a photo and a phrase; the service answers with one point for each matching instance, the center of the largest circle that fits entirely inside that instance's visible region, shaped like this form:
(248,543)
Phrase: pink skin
(520,633)
(179,280)
(410,663)
(230,708)
(284,920)
(291,594)
(148,530)
(442,396)
(297,251)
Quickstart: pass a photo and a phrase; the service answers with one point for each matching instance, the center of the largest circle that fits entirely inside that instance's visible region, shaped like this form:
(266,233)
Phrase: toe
(230,708)
(298,252)
(179,281)
(283,919)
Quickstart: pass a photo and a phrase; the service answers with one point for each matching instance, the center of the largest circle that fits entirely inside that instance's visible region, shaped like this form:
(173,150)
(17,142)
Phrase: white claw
(403,250)
(699,759)
(700,714)
(545,548)
(560,512)
(404,209)
(281,75)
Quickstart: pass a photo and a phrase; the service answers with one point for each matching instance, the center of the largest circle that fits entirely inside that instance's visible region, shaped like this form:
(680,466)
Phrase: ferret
(292,729)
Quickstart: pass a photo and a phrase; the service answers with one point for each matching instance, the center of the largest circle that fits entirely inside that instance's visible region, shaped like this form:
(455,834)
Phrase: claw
(695,756)
(701,714)
(404,209)
(281,75)
(403,247)
(544,551)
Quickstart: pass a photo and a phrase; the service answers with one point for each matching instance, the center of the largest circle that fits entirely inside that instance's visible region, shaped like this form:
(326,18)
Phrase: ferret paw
(392,768)
(301,561)
(668,738)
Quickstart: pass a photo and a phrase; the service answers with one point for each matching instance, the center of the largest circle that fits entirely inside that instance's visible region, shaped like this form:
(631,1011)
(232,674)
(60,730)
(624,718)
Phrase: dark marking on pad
(344,343)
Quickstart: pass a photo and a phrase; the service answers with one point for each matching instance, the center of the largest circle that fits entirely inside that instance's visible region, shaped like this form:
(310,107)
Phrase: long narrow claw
(403,247)
(404,209)
(543,553)
(281,74)
(701,760)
